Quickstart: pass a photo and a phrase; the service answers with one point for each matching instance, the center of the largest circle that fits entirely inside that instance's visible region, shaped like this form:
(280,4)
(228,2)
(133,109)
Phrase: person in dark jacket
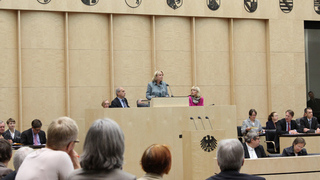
(297,148)
(252,148)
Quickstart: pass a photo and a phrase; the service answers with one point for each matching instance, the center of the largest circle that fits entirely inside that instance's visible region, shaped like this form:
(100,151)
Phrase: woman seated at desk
(297,148)
(195,99)
(157,88)
(251,124)
(272,119)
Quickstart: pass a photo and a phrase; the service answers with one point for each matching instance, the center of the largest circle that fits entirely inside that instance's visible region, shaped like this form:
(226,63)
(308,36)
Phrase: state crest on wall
(133,3)
(44,1)
(208,143)
(250,5)
(90,2)
(286,6)
(317,6)
(213,4)
(174,4)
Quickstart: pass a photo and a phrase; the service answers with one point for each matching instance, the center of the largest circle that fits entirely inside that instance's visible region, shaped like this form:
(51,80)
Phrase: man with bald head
(120,101)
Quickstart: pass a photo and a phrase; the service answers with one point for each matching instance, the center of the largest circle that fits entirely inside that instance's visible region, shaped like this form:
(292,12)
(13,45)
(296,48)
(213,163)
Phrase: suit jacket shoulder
(234,175)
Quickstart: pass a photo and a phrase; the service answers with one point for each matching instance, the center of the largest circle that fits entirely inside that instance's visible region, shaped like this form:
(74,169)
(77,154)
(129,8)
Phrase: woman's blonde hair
(155,75)
(197,89)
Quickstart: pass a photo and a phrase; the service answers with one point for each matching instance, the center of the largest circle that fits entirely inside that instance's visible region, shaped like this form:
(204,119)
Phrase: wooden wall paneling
(111,60)
(67,64)
(193,52)
(231,63)
(268,67)
(153,45)
(250,71)
(212,60)
(43,68)
(20,121)
(173,43)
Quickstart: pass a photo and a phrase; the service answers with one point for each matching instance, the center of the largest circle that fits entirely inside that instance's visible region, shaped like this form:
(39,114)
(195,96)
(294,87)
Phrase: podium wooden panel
(163,125)
(312,141)
(281,168)
(197,163)
(182,101)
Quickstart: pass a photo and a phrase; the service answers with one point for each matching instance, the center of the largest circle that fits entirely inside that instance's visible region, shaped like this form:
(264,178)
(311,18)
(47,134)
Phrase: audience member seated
(252,147)
(120,101)
(157,87)
(272,120)
(156,161)
(5,156)
(105,103)
(58,159)
(195,99)
(297,148)
(34,135)
(308,123)
(12,135)
(17,161)
(141,104)
(287,125)
(2,129)
(251,124)
(230,159)
(102,156)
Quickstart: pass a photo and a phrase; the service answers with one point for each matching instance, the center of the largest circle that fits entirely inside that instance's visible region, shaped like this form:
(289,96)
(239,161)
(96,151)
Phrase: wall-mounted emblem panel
(44,1)
(208,143)
(133,3)
(213,4)
(90,2)
(286,6)
(317,6)
(250,5)
(174,4)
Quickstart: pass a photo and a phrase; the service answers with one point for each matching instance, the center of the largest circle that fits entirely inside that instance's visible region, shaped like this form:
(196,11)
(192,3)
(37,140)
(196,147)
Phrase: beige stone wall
(61,58)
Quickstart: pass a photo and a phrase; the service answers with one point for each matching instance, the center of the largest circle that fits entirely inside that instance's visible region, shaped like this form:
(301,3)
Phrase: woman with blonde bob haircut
(195,99)
(157,88)
(156,161)
(103,151)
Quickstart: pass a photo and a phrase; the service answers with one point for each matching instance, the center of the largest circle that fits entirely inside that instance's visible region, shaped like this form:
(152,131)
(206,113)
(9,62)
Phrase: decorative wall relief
(133,3)
(44,1)
(251,5)
(213,4)
(317,6)
(286,6)
(90,2)
(174,4)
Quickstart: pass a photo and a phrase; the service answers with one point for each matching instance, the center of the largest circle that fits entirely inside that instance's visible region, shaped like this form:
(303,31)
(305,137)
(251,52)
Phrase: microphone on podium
(201,122)
(191,118)
(209,122)
(170,90)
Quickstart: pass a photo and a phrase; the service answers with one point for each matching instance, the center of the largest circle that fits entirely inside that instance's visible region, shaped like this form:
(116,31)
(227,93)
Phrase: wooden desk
(312,141)
(163,125)
(281,168)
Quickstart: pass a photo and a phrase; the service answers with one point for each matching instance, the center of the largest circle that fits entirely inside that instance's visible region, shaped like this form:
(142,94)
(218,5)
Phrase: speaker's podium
(178,101)
(199,149)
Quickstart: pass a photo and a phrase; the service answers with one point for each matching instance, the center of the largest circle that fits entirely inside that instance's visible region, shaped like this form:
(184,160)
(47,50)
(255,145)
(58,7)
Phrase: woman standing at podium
(195,99)
(157,88)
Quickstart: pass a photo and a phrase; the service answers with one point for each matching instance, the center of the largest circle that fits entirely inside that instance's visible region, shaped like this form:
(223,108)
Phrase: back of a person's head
(230,154)
(36,123)
(156,159)
(20,155)
(103,148)
(5,151)
(61,132)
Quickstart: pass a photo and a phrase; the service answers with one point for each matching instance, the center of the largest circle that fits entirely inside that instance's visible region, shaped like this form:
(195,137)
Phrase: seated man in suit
(12,135)
(308,123)
(120,101)
(287,125)
(230,159)
(2,128)
(252,148)
(34,135)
